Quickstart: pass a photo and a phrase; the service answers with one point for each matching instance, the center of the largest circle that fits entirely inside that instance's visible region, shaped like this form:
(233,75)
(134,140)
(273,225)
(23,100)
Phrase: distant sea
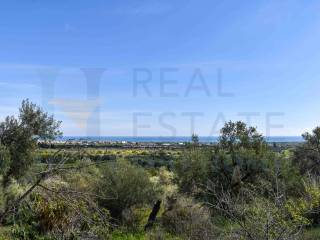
(276,139)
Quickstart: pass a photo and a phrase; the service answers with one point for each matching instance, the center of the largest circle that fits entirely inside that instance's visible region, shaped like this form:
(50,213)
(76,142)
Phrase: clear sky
(167,67)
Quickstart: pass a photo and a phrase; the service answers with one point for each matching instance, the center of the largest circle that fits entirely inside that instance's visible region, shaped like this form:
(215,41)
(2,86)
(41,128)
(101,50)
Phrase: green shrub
(188,219)
(55,211)
(193,170)
(124,185)
(252,216)
(307,208)
(135,218)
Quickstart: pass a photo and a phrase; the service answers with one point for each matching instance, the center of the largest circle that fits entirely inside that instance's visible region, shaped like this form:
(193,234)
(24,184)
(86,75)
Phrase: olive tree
(235,136)
(240,155)
(19,136)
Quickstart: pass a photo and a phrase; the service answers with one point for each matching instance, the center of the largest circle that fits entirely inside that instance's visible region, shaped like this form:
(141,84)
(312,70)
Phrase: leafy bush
(193,170)
(307,208)
(163,181)
(4,159)
(55,211)
(135,218)
(307,156)
(186,218)
(254,217)
(124,185)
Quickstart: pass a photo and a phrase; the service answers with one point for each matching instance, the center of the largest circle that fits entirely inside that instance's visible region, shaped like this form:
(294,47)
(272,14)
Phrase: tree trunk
(153,215)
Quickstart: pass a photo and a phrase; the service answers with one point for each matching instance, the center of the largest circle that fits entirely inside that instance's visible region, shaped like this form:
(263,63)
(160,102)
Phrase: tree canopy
(19,135)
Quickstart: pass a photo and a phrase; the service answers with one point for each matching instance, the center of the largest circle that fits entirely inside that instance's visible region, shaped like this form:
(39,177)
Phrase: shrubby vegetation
(239,188)
(124,186)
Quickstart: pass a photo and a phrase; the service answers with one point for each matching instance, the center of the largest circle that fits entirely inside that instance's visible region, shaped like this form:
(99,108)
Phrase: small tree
(18,138)
(237,135)
(307,156)
(195,139)
(239,155)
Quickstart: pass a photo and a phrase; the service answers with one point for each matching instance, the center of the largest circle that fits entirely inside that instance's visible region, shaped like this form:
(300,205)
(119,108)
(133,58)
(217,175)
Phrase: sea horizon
(171,139)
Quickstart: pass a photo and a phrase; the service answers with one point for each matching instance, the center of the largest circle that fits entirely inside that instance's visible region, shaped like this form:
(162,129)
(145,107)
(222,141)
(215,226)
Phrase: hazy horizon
(172,139)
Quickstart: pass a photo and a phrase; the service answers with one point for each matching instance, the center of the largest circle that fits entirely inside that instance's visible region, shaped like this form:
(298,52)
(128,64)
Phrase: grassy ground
(4,233)
(312,234)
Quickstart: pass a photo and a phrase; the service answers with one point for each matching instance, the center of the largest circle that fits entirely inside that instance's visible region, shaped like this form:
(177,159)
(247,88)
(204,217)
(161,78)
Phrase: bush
(254,217)
(134,219)
(124,185)
(4,159)
(307,208)
(307,156)
(55,211)
(193,170)
(185,218)
(163,181)
(10,194)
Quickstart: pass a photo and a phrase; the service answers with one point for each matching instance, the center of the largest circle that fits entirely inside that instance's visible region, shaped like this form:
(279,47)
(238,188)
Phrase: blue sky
(267,52)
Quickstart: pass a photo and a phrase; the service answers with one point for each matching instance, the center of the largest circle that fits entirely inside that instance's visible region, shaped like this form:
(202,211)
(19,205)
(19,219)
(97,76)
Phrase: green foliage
(135,218)
(283,175)
(248,168)
(188,219)
(252,216)
(264,219)
(19,137)
(255,192)
(5,233)
(37,122)
(85,179)
(58,214)
(124,185)
(307,156)
(5,159)
(236,136)
(193,170)
(306,209)
(164,183)
(311,234)
(118,235)
(240,157)
(13,191)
